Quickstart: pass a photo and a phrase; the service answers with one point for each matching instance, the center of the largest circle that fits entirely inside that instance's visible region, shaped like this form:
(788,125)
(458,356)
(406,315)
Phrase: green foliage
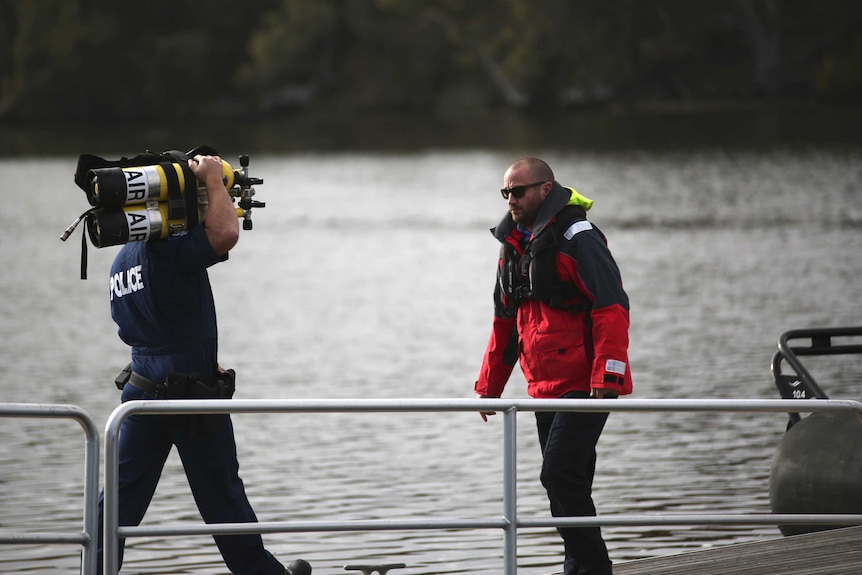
(99,62)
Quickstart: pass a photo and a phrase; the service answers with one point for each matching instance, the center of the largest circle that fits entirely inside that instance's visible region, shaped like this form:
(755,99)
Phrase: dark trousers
(568,441)
(211,466)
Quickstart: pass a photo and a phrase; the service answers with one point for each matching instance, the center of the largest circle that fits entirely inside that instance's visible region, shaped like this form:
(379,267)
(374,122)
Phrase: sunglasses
(518,191)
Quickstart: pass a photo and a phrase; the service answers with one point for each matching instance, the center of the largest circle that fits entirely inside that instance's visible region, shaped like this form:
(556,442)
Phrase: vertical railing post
(510,495)
(89,539)
(89,558)
(111,497)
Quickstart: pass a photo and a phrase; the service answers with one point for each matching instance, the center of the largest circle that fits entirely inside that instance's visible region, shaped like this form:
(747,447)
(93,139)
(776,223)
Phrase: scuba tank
(139,203)
(151,196)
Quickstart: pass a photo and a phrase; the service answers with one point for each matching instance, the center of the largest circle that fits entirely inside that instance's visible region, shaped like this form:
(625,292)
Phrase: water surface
(370,275)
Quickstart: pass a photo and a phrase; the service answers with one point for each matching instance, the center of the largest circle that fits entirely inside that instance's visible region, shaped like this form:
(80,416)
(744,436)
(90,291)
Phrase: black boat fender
(817,468)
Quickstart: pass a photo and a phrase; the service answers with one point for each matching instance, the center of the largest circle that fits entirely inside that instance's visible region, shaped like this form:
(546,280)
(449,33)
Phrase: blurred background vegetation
(95,63)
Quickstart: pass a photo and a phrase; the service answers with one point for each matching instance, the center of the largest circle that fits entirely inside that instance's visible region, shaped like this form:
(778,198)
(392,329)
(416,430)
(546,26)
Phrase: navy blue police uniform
(162,302)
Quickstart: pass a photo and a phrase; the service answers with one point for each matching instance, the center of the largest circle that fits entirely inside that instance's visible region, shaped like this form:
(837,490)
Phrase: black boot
(298,567)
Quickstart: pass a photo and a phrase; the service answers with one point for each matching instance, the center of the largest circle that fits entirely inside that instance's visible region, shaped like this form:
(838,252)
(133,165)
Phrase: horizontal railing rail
(510,522)
(88,537)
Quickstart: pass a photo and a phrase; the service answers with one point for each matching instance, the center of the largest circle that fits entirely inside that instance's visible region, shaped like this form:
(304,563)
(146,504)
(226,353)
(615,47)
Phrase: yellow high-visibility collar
(579,200)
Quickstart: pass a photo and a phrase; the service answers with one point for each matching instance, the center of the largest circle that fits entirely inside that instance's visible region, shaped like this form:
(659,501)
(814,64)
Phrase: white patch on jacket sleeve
(615,366)
(577,228)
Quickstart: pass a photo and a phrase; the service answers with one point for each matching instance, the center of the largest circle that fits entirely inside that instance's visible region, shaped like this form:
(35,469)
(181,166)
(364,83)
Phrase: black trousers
(212,469)
(568,441)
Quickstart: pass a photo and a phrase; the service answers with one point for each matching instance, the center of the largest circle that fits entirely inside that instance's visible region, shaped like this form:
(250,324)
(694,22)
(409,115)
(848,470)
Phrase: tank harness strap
(86,217)
(176,201)
(84,249)
(191,195)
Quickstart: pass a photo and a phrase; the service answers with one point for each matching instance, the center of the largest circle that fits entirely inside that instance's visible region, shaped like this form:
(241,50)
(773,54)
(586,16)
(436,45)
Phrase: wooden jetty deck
(832,552)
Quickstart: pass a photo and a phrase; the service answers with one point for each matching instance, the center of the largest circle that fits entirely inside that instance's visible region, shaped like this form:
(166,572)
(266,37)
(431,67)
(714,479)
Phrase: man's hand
(599,392)
(486,414)
(222,226)
(207,169)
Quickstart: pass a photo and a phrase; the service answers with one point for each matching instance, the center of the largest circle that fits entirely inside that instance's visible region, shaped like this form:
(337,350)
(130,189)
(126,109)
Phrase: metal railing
(509,522)
(820,342)
(87,538)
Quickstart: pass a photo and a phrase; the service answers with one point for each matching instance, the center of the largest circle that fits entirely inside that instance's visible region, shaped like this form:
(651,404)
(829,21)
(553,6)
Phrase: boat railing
(797,343)
(87,538)
(509,521)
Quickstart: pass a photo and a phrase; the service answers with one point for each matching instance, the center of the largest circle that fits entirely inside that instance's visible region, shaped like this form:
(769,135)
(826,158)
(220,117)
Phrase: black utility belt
(181,385)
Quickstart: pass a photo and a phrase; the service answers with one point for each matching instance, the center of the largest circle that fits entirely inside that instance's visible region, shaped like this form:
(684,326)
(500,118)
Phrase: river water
(369,275)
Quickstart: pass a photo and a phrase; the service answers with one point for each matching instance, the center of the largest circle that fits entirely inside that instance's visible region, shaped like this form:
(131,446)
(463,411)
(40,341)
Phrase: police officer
(162,302)
(561,312)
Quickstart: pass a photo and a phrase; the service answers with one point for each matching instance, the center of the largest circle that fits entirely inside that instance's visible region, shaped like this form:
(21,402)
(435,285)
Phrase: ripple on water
(386,292)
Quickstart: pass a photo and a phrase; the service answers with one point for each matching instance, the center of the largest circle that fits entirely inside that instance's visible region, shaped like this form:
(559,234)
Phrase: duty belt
(181,385)
(144,384)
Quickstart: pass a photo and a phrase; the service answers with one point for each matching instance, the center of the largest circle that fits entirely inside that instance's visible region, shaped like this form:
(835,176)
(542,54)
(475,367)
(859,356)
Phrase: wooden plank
(832,552)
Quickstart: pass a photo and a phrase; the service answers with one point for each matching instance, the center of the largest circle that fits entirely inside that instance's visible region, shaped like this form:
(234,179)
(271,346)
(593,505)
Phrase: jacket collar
(556,200)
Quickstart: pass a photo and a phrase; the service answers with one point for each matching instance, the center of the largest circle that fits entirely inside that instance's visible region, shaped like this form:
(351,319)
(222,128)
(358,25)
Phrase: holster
(123,377)
(192,386)
(185,386)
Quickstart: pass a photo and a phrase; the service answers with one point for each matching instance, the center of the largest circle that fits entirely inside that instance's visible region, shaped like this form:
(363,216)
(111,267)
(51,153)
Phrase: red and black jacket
(559,306)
